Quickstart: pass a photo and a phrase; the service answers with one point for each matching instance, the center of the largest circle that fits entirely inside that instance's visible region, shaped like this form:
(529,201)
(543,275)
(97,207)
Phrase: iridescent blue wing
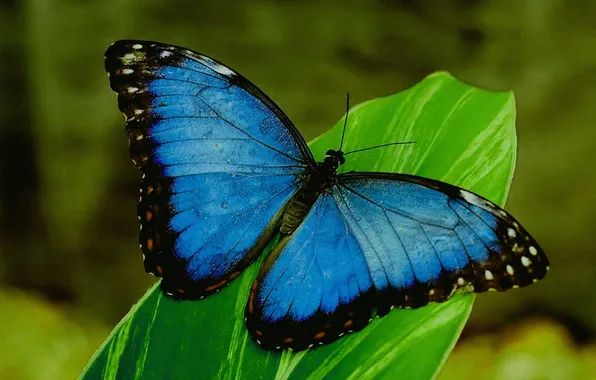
(376,241)
(220,161)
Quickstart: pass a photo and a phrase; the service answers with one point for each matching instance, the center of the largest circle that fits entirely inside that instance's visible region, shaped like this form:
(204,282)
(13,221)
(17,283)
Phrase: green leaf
(464,136)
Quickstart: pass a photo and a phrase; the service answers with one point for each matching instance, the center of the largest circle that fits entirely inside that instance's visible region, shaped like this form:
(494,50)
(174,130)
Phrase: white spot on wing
(488,275)
(469,197)
(460,281)
(533,250)
(128,71)
(133,57)
(510,270)
(223,70)
(218,67)
(132,90)
(525,261)
(165,54)
(511,232)
(137,46)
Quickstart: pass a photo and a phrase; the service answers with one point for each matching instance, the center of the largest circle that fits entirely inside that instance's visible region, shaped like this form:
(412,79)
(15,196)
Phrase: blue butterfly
(226,171)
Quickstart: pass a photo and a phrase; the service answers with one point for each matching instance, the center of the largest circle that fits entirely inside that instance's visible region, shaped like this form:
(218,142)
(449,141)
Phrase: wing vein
(382,207)
(198,95)
(260,205)
(402,244)
(365,236)
(433,247)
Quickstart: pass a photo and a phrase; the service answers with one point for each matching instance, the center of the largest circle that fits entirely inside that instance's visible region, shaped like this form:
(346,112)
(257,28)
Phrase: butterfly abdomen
(295,213)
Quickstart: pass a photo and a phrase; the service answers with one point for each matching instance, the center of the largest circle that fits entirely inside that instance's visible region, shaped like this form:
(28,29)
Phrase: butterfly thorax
(316,180)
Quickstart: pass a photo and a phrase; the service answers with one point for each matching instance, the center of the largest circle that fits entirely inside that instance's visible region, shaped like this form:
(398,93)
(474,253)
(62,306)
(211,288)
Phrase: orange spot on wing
(234,275)
(251,299)
(148,215)
(288,340)
(320,335)
(348,323)
(149,189)
(216,286)
(259,333)
(158,270)
(180,290)
(150,245)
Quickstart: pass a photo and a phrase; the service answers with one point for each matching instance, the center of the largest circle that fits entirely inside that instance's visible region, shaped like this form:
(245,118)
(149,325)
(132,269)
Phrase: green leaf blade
(464,136)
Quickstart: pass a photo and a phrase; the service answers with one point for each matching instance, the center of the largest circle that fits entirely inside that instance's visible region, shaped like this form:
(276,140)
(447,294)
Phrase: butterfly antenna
(343,133)
(380,146)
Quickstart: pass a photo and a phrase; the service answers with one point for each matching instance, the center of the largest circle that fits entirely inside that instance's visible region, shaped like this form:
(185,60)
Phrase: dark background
(70,266)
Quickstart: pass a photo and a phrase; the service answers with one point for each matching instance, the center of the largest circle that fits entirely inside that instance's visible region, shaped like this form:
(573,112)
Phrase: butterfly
(225,172)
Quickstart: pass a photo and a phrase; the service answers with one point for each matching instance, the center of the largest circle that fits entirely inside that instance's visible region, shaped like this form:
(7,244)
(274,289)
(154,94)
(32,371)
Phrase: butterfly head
(334,158)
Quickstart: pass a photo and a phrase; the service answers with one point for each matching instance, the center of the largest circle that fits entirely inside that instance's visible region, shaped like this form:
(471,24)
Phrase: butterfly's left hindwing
(220,162)
(377,241)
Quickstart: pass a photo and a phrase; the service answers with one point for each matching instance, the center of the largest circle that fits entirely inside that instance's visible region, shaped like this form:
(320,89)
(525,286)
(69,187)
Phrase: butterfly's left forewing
(377,241)
(220,162)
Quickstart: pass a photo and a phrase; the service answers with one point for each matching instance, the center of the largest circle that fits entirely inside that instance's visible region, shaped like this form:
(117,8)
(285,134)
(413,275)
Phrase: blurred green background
(70,266)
